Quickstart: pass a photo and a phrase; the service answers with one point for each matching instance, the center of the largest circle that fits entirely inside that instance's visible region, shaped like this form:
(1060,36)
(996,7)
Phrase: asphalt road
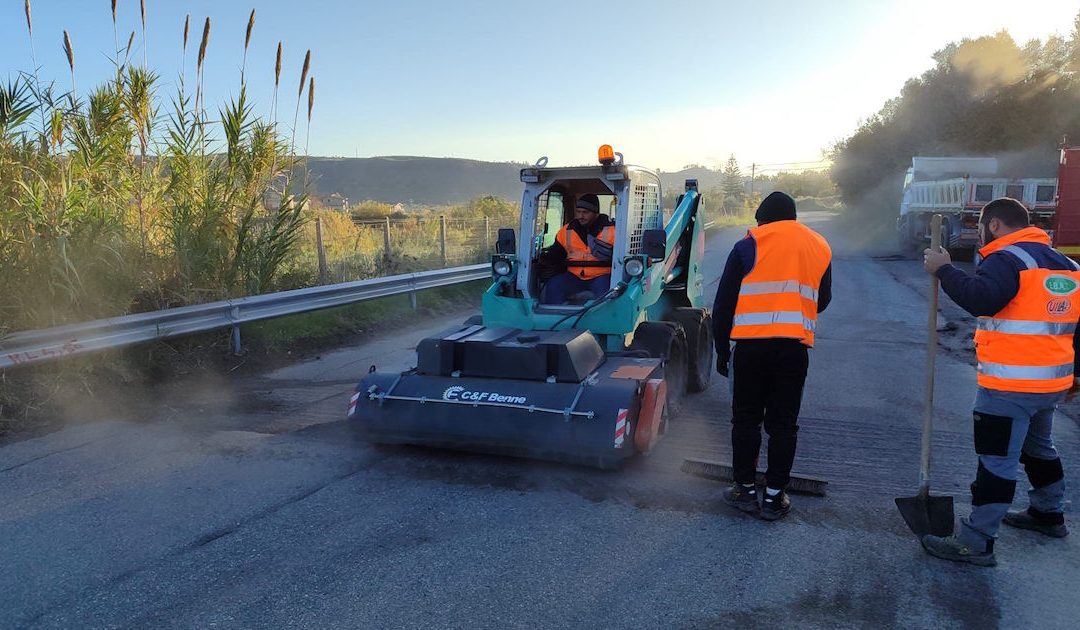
(246,504)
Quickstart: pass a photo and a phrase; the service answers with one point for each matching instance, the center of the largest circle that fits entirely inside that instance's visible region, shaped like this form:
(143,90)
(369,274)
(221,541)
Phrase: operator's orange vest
(577,251)
(1027,346)
(778,298)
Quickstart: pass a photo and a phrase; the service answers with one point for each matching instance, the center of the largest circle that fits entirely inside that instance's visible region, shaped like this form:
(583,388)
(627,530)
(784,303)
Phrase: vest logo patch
(1060,285)
(1059,306)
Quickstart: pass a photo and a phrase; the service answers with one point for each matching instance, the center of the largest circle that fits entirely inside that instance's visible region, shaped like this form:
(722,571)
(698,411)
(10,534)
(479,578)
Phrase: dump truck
(957,188)
(590,383)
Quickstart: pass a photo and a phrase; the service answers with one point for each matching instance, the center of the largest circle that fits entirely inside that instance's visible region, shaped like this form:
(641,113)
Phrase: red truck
(1067,216)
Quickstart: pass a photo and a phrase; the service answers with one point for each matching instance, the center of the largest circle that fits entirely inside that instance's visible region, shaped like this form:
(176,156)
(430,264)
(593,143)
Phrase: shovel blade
(925,514)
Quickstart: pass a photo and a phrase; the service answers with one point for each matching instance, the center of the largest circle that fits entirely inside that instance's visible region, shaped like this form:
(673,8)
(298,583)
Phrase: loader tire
(697,324)
(667,341)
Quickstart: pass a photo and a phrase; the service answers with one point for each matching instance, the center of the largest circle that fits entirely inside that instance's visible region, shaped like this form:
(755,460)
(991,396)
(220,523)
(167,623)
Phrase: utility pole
(753,171)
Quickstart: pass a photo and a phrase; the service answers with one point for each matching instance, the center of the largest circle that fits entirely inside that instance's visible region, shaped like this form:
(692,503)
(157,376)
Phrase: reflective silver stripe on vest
(1026,372)
(775,317)
(779,286)
(1022,327)
(1024,257)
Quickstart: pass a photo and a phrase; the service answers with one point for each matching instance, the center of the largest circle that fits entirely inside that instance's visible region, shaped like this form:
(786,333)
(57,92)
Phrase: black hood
(776,207)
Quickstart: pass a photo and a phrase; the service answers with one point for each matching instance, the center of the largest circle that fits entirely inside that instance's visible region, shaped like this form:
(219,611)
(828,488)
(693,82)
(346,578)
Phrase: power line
(794,163)
(819,167)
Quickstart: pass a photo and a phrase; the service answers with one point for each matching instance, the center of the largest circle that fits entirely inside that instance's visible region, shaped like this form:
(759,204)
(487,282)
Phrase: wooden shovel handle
(931,354)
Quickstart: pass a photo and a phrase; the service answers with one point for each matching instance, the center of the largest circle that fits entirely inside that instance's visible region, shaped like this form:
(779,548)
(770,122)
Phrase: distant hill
(415,180)
(437,181)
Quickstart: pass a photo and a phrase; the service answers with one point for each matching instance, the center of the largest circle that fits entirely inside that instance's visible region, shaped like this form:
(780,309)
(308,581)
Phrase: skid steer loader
(590,383)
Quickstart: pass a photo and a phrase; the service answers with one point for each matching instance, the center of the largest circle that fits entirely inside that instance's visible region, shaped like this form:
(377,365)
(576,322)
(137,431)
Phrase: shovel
(923,513)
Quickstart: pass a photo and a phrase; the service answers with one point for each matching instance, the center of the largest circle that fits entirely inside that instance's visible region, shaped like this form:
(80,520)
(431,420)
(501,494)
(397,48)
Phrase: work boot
(775,507)
(1027,520)
(950,548)
(743,498)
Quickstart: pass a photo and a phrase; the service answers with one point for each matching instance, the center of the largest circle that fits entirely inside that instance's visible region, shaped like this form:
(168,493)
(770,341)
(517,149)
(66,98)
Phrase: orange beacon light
(606,155)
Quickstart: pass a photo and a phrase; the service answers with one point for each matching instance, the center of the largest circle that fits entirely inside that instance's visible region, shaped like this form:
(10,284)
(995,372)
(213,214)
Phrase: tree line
(988,96)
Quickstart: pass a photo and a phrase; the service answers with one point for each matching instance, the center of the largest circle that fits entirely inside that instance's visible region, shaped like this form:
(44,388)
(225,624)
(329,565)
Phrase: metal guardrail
(35,346)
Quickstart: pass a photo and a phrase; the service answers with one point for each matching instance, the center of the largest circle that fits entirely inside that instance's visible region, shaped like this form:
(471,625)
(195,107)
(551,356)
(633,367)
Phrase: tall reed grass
(125,199)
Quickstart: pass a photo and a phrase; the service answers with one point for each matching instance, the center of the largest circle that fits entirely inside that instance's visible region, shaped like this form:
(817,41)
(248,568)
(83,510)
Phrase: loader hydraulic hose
(612,293)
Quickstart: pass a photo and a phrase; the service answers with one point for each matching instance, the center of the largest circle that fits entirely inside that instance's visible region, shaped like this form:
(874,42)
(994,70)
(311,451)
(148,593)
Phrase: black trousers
(767,383)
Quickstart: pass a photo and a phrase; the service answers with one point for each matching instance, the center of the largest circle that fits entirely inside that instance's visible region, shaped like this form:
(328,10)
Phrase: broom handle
(931,354)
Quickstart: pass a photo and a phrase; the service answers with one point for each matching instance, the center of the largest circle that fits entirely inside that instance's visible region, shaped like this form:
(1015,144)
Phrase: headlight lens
(634,267)
(501,267)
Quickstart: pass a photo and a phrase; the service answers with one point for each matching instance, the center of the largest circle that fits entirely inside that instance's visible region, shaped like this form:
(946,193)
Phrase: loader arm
(682,279)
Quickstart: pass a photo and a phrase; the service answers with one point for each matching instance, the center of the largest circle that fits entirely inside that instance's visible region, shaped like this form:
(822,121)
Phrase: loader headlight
(501,267)
(633,267)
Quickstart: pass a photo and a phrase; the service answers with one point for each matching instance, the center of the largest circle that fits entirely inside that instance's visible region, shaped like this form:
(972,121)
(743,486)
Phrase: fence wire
(370,249)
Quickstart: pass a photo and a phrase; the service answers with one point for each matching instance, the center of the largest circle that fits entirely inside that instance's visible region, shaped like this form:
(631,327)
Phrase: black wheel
(667,341)
(697,324)
(675,375)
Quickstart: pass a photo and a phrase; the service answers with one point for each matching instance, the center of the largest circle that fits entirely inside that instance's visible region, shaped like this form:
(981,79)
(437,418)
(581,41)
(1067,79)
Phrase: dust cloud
(183,383)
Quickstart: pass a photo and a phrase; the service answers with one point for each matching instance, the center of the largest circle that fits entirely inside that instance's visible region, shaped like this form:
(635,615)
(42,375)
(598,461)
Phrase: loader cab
(559,210)
(630,197)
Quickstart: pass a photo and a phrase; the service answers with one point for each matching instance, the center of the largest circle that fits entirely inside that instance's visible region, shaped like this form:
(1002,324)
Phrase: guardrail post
(236,348)
(321,250)
(387,252)
(442,237)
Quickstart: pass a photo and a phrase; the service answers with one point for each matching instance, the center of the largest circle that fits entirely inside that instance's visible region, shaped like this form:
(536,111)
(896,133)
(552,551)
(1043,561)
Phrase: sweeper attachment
(592,381)
(542,394)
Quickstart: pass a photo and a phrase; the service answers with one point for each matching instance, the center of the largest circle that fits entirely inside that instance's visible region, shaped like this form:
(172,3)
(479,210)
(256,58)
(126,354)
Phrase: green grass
(732,220)
(330,325)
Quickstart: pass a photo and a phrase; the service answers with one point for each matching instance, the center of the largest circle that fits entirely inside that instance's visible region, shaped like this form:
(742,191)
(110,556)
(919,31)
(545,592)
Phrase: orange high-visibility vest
(1028,345)
(577,251)
(778,298)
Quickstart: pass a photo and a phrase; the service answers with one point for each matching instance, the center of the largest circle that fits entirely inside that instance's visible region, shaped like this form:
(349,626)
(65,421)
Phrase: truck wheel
(667,341)
(906,242)
(697,324)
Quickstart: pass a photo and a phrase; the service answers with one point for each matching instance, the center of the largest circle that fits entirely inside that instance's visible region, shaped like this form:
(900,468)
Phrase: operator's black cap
(588,202)
(776,207)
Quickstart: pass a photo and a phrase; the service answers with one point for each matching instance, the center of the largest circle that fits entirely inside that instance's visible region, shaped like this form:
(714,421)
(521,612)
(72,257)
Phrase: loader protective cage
(638,208)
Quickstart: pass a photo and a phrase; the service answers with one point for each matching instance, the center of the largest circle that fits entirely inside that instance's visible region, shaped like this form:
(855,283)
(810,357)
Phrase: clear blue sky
(667,83)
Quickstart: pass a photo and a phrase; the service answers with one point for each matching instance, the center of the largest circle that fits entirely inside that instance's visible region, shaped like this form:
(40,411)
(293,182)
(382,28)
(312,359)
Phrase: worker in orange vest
(1025,295)
(774,284)
(579,261)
